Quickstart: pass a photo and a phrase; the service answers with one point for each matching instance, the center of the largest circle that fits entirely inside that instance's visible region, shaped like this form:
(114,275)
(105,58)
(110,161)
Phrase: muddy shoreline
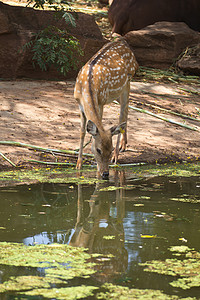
(45,114)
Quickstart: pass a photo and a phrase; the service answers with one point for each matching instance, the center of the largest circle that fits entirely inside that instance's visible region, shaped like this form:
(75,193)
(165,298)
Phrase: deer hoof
(114,158)
(79,164)
(122,147)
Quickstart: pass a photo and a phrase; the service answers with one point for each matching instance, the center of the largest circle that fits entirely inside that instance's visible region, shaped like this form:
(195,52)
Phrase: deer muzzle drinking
(104,78)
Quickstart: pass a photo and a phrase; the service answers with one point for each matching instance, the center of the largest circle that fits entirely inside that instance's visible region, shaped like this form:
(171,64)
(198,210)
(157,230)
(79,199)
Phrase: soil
(45,114)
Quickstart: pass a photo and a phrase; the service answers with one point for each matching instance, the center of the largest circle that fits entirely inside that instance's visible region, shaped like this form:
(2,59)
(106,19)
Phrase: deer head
(102,145)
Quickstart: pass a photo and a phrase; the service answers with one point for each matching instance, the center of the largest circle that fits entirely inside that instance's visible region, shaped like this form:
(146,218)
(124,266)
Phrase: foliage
(53,46)
(56,4)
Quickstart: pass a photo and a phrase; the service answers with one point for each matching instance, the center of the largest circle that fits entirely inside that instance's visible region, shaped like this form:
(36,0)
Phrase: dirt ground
(45,114)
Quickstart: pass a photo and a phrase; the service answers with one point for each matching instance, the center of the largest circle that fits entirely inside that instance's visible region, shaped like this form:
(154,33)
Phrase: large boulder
(190,60)
(160,44)
(17,24)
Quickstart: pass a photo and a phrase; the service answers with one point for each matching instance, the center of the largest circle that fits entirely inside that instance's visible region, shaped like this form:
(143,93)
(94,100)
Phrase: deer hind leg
(82,137)
(121,146)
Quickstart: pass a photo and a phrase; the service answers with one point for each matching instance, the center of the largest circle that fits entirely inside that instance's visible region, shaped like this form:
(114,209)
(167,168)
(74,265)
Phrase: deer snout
(105,175)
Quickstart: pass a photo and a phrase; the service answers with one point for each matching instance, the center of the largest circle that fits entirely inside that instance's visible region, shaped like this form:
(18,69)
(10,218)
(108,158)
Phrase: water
(141,222)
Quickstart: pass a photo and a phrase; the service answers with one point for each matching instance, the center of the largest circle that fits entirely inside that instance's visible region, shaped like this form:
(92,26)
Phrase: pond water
(134,219)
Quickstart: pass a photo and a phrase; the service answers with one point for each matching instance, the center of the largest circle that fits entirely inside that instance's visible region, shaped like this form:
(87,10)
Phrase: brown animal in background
(104,78)
(128,15)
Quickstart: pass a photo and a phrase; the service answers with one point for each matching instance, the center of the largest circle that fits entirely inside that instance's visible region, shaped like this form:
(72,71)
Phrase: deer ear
(118,129)
(92,128)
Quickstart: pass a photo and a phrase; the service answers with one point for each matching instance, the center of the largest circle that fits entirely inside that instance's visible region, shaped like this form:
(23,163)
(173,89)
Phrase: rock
(17,24)
(190,60)
(158,45)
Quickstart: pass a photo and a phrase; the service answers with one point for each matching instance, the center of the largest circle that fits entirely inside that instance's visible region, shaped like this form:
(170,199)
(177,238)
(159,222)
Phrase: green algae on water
(109,237)
(111,188)
(23,283)
(41,255)
(188,269)
(186,282)
(59,262)
(67,293)
(42,175)
(173,267)
(113,292)
(186,200)
(180,249)
(68,175)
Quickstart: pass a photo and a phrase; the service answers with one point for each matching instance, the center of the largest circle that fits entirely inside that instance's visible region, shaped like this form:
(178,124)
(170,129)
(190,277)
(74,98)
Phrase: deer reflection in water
(101,231)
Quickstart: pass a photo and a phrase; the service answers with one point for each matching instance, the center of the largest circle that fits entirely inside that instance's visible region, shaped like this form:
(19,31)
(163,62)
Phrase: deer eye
(99,151)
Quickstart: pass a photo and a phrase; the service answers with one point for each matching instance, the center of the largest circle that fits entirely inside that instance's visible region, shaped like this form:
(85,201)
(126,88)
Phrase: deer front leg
(82,136)
(124,99)
(116,151)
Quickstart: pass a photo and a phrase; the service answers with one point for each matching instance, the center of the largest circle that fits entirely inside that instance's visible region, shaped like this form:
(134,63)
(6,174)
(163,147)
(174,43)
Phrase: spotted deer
(104,78)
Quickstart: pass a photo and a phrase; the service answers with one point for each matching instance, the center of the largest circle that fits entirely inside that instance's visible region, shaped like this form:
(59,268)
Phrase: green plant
(53,46)
(56,4)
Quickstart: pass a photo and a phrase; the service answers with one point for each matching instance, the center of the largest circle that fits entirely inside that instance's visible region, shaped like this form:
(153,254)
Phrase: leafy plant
(53,46)
(56,4)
